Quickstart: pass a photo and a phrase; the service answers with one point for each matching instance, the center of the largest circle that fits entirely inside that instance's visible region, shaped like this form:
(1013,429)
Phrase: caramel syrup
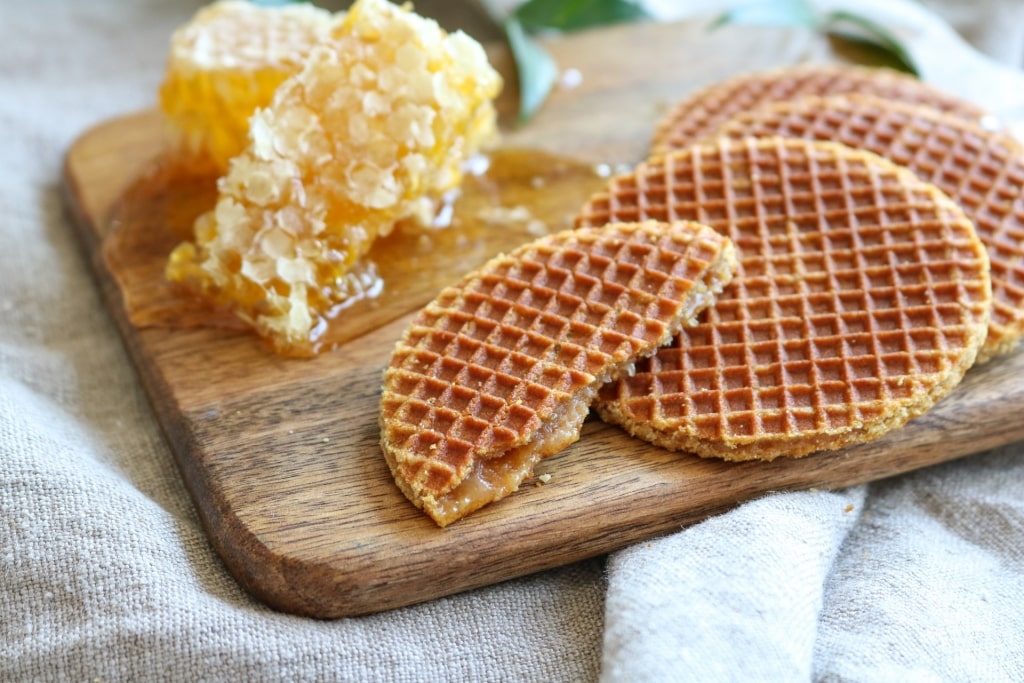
(512,197)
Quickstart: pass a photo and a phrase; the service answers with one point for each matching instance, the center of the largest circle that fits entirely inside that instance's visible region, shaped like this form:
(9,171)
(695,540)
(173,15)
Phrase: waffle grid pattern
(859,294)
(983,171)
(699,114)
(491,360)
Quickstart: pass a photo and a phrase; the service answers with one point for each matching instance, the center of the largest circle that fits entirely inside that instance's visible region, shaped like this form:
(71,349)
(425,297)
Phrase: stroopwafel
(704,110)
(861,297)
(981,170)
(501,368)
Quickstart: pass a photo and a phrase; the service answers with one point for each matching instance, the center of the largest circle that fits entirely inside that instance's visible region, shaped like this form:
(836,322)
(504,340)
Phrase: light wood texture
(281,456)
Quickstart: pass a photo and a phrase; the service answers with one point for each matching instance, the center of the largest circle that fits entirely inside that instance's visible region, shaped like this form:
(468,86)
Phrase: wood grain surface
(281,456)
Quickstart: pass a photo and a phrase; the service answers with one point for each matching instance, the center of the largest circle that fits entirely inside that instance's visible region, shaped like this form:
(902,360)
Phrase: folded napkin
(105,573)
(917,578)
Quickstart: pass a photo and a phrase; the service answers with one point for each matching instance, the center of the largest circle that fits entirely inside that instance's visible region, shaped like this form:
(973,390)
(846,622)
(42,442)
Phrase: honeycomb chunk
(223,65)
(382,116)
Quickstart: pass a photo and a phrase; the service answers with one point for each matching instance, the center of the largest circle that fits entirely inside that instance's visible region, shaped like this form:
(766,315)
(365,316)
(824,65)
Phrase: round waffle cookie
(500,370)
(700,113)
(981,170)
(861,297)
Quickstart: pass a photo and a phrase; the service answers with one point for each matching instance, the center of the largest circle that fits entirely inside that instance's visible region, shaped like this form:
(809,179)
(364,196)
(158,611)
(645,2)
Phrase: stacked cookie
(871,213)
(877,226)
(861,297)
(702,113)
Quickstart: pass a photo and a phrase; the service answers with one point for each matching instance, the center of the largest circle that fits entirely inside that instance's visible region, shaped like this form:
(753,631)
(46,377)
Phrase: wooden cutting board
(281,455)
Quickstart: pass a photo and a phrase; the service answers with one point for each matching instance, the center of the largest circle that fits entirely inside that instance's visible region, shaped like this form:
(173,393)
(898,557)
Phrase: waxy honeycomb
(226,63)
(380,119)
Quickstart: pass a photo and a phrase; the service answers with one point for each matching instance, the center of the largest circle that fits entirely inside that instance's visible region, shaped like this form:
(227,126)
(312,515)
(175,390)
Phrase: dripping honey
(515,196)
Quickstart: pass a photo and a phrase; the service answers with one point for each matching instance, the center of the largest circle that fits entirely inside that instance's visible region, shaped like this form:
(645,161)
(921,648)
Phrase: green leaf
(572,15)
(770,13)
(874,35)
(537,70)
(882,42)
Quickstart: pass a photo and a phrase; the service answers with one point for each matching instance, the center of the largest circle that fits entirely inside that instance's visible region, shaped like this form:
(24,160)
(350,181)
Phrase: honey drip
(512,197)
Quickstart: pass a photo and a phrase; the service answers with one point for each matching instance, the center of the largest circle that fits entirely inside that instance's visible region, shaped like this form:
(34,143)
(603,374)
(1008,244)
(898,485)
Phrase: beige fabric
(995,27)
(917,578)
(105,573)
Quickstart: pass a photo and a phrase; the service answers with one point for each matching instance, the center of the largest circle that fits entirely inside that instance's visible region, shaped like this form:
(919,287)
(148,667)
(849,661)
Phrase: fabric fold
(736,597)
(931,583)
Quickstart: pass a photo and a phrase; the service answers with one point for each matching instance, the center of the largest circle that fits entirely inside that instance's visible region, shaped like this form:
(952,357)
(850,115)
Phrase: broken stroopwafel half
(500,369)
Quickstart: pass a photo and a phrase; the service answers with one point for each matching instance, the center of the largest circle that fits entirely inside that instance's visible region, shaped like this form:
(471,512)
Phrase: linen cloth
(105,573)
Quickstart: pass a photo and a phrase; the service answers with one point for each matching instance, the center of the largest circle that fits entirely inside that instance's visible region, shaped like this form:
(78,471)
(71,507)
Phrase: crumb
(497,215)
(536,228)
